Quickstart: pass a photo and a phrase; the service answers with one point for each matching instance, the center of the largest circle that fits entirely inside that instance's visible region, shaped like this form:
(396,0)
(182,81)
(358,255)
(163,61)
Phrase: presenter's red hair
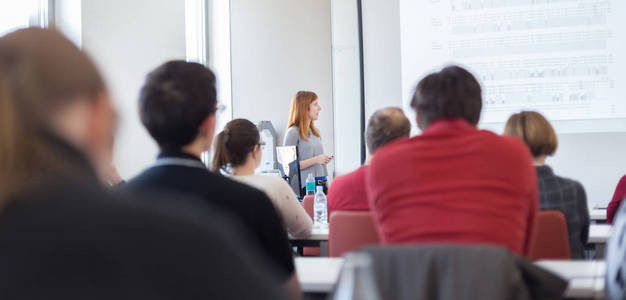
(299,114)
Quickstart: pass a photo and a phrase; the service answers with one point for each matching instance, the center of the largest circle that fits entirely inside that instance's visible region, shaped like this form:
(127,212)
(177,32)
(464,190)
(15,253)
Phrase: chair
(307,203)
(455,272)
(349,231)
(551,237)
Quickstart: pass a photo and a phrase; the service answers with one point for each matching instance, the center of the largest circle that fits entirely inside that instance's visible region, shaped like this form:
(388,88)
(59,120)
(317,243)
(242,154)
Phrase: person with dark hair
(555,192)
(63,235)
(238,151)
(177,105)
(347,192)
(453,183)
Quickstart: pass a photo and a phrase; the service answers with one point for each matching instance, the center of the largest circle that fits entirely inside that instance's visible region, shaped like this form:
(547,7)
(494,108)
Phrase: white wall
(381,54)
(67,18)
(128,39)
(346,85)
(277,48)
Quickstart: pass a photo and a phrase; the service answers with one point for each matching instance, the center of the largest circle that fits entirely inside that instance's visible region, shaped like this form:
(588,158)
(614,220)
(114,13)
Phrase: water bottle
(310,185)
(319,208)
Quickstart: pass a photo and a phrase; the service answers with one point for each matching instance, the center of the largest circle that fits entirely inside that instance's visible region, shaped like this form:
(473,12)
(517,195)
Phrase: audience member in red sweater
(453,183)
(618,196)
(347,192)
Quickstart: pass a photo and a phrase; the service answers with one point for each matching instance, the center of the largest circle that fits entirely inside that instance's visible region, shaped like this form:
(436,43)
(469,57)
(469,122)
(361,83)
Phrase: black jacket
(251,207)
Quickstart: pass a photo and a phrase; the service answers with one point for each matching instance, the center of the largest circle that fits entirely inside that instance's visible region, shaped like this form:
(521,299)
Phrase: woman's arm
(307,163)
(291,139)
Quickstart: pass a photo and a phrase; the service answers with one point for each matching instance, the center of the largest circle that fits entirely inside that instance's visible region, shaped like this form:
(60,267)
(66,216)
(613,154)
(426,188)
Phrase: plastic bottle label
(310,186)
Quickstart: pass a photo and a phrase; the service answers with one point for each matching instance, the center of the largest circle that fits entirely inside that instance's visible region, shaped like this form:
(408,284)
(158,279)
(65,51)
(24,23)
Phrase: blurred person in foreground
(62,235)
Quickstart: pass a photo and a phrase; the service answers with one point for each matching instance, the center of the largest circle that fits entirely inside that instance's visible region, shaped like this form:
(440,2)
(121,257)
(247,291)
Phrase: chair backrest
(458,272)
(551,237)
(307,203)
(349,231)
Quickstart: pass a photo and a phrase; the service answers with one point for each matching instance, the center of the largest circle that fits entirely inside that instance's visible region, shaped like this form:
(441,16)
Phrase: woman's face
(314,110)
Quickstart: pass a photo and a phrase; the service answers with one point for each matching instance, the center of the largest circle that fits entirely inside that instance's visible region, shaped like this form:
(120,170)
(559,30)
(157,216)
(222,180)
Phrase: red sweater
(347,192)
(618,196)
(455,184)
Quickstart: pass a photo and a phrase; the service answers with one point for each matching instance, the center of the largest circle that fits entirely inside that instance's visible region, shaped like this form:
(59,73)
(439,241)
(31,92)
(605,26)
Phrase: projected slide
(564,58)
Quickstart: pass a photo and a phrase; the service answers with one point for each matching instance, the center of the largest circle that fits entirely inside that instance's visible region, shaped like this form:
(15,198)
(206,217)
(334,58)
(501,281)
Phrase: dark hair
(174,101)
(386,125)
(233,144)
(452,92)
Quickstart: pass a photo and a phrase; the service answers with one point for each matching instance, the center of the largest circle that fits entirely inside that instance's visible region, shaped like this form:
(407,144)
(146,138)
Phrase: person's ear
(255,152)
(417,121)
(207,128)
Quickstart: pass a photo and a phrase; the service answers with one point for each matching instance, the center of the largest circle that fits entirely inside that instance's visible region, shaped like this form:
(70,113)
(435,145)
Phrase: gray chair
(459,272)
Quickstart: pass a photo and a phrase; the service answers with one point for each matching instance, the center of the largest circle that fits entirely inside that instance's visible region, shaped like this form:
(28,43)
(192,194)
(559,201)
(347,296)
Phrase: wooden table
(318,238)
(586,278)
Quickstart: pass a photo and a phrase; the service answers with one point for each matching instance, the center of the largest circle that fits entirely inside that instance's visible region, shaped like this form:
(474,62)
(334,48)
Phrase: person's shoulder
(263,182)
(291,130)
(348,180)
(158,174)
(271,181)
(396,146)
(569,182)
(622,181)
(139,180)
(226,185)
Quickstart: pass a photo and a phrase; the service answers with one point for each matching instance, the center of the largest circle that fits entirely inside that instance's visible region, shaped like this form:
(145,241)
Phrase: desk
(598,215)
(318,238)
(598,236)
(318,274)
(599,233)
(586,278)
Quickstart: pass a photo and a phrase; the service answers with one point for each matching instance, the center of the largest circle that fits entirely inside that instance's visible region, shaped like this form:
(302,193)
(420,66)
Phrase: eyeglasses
(261,144)
(220,108)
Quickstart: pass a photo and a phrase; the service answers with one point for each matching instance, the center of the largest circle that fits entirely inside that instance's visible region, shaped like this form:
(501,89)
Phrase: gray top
(306,149)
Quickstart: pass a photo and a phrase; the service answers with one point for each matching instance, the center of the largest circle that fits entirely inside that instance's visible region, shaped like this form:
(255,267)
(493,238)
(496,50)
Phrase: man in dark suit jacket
(62,235)
(178,105)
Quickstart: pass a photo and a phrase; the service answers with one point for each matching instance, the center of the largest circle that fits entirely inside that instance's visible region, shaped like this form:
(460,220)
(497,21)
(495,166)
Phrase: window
(16,14)
(207,36)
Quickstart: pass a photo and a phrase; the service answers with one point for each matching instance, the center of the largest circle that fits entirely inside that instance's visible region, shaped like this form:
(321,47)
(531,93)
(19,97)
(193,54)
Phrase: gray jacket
(458,272)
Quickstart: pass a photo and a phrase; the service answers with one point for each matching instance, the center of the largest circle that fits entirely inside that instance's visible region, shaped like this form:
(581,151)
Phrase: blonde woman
(301,132)
(555,192)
